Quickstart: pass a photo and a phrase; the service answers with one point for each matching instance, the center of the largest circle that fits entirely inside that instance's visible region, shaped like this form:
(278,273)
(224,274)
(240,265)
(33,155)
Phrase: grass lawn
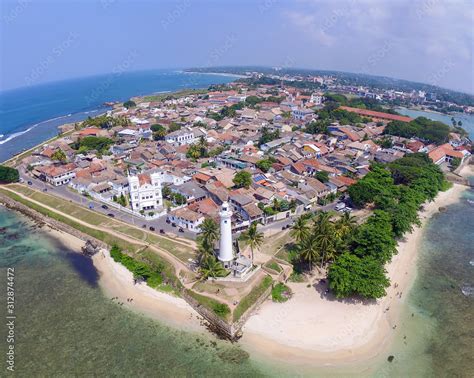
(281,293)
(273,265)
(182,252)
(252,297)
(219,308)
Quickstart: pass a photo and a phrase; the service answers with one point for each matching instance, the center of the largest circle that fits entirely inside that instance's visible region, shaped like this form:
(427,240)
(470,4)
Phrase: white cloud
(426,32)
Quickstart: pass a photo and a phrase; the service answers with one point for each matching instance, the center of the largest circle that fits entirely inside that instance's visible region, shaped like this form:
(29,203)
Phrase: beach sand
(318,330)
(311,329)
(117,282)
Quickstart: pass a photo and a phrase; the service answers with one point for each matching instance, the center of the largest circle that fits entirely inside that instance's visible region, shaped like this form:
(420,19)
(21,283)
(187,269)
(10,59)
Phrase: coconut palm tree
(345,225)
(300,229)
(309,250)
(210,267)
(253,237)
(324,234)
(209,232)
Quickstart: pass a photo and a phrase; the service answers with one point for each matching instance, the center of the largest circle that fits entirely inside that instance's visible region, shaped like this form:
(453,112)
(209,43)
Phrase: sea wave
(19,133)
(15,135)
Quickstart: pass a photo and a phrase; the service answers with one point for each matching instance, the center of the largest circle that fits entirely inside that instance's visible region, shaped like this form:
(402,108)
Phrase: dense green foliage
(198,150)
(140,270)
(268,136)
(281,293)
(242,179)
(159,131)
(397,191)
(177,198)
(173,127)
(104,122)
(90,143)
(8,174)
(129,104)
(59,155)
(265,164)
(319,126)
(422,128)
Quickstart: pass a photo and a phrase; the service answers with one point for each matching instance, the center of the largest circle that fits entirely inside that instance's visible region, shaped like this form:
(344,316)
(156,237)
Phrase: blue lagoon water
(31,115)
(466,119)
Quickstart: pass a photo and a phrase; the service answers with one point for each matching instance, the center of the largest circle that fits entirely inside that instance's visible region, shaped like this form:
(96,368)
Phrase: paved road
(278,225)
(68,194)
(159,224)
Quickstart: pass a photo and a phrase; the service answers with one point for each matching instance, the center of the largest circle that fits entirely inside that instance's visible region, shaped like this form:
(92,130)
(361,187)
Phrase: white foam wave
(19,133)
(15,135)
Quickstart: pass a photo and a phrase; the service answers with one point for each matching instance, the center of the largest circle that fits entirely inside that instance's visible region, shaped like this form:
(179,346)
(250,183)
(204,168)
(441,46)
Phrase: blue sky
(428,40)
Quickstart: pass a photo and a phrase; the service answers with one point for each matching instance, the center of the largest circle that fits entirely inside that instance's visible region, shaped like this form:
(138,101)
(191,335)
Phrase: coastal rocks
(90,248)
(442,209)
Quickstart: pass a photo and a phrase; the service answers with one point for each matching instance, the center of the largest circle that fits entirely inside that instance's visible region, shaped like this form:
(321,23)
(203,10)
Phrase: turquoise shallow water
(435,337)
(66,326)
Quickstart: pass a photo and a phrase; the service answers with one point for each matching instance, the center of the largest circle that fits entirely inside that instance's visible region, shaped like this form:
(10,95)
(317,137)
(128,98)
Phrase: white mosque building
(145,192)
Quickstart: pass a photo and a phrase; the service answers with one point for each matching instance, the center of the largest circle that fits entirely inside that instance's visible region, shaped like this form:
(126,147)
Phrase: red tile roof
(378,115)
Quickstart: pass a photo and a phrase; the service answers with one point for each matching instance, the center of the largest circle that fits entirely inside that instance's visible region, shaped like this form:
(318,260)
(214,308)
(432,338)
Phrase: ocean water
(435,337)
(466,119)
(31,115)
(65,326)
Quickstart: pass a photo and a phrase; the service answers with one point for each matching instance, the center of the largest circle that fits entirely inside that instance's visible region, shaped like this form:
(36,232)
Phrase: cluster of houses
(154,176)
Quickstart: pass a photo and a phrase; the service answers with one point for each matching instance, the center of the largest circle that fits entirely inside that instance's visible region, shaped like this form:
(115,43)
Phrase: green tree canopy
(8,174)
(129,104)
(242,179)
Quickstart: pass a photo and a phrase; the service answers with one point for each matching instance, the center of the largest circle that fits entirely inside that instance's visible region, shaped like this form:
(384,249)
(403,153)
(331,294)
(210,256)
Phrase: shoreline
(115,281)
(316,331)
(310,330)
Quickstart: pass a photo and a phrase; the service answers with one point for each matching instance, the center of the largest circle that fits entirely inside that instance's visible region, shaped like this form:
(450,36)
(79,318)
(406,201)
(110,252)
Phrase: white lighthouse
(225,244)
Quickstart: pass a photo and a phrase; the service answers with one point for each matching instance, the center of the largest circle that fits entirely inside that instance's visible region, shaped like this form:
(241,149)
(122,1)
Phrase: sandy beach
(117,282)
(311,329)
(317,329)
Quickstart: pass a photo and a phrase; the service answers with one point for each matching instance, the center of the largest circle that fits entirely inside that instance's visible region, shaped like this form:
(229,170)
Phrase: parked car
(144,226)
(168,221)
(45,189)
(105,207)
(181,230)
(173,224)
(111,215)
(152,228)
(347,210)
(30,183)
(162,231)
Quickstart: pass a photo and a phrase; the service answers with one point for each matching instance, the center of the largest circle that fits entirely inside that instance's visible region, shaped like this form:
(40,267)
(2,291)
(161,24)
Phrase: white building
(56,175)
(145,192)
(181,137)
(226,254)
(302,114)
(317,98)
(186,219)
